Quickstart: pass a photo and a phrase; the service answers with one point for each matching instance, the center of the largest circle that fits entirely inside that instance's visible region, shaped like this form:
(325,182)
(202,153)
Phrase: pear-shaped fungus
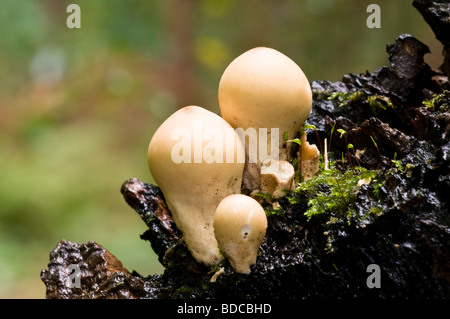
(194,158)
(264,90)
(240,225)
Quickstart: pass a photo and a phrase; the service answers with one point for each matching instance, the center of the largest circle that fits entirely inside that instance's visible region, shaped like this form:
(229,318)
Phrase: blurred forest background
(78,107)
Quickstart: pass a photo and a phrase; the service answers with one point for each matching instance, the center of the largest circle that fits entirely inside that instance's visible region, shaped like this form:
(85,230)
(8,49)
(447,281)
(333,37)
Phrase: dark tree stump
(399,119)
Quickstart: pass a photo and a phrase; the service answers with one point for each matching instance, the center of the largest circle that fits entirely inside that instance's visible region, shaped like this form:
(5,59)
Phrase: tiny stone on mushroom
(277,177)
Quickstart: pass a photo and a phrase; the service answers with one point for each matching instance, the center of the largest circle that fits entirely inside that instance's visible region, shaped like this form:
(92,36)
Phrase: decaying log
(398,121)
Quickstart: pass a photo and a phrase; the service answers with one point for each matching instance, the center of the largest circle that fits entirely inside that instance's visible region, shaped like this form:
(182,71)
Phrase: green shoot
(313,127)
(331,135)
(376,145)
(344,133)
(397,163)
(309,126)
(295,140)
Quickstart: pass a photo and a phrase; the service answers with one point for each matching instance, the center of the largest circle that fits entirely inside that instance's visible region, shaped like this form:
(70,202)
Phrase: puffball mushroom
(240,225)
(308,158)
(192,158)
(263,88)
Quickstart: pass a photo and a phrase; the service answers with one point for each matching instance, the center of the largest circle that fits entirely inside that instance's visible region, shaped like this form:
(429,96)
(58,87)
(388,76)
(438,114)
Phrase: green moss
(334,191)
(397,163)
(376,102)
(345,98)
(380,102)
(439,102)
(268,197)
(268,205)
(269,210)
(331,196)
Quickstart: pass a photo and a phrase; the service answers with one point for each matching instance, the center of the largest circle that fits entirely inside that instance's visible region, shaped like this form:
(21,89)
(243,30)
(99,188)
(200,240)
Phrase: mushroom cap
(240,225)
(193,190)
(194,120)
(264,88)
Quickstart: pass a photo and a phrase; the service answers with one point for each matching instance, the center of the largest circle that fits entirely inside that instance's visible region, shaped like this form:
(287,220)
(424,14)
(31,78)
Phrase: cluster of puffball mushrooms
(262,89)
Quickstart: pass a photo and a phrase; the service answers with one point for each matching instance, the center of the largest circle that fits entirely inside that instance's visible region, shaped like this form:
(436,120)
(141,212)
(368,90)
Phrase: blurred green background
(78,106)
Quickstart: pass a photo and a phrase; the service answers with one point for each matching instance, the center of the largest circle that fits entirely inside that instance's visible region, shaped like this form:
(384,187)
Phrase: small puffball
(240,225)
